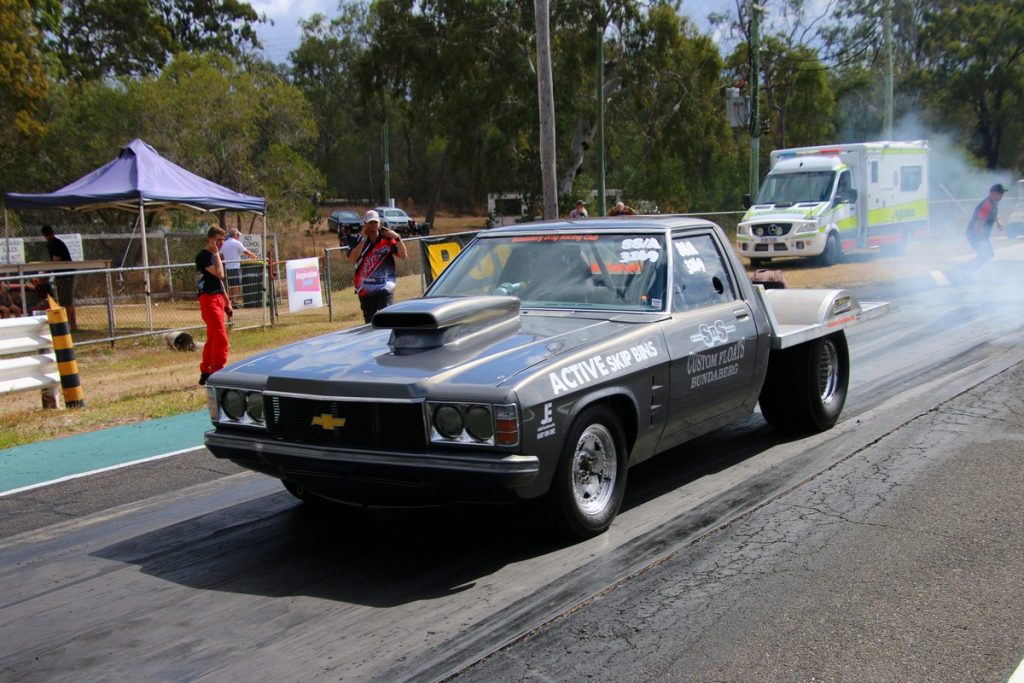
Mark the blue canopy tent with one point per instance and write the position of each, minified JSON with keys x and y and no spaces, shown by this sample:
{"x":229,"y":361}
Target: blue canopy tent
{"x":139,"y":179}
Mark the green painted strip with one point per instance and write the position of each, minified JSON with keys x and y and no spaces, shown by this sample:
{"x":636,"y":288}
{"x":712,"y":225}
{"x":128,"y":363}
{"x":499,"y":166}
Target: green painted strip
{"x":45,"y":461}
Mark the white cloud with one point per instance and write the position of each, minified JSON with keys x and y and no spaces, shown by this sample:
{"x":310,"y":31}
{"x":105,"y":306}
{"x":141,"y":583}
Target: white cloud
{"x":283,"y":37}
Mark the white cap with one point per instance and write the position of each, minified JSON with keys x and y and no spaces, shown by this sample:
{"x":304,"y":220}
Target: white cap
{"x":371,"y":215}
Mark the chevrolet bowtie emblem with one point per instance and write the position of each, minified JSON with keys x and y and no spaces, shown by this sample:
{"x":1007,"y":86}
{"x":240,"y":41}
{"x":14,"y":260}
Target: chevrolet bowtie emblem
{"x":328,"y":421}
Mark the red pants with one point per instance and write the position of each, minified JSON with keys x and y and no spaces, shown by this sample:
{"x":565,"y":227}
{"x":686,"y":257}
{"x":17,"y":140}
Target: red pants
{"x":215,"y":350}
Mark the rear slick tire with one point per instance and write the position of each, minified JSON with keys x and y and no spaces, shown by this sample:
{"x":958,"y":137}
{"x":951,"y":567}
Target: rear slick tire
{"x":806,"y":386}
{"x":590,"y":480}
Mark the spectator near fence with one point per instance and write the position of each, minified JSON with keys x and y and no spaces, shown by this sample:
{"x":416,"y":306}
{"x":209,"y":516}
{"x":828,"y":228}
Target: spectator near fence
{"x":374,"y":258}
{"x":42,"y":292}
{"x":214,"y":304}
{"x":8,"y":307}
{"x":65,"y":282}
{"x":232,"y":252}
{"x":620,"y":209}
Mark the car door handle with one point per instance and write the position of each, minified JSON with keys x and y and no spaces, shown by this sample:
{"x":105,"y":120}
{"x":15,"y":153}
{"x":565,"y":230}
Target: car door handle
{"x":741,"y":314}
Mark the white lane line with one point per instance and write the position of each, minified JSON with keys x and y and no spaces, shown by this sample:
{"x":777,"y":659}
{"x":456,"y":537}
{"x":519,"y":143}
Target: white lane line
{"x":1018,"y":675}
{"x":102,"y":469}
{"x":940,"y":278}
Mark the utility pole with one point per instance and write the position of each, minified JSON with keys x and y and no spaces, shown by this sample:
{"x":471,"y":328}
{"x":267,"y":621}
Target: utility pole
{"x":387,"y":164}
{"x":755,"y":110}
{"x":887,"y":34}
{"x":601,"y":206}
{"x":546,"y":104}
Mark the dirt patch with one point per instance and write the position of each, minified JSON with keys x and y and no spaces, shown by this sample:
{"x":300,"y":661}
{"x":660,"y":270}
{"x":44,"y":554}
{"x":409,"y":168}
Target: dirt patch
{"x":867,"y":267}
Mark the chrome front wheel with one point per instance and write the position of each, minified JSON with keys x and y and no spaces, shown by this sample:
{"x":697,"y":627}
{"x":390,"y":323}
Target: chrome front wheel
{"x":594,"y":469}
{"x":590,"y":479}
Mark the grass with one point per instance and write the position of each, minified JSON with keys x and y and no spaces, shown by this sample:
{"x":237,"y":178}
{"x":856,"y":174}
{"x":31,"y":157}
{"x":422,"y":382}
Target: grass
{"x":142,"y":379}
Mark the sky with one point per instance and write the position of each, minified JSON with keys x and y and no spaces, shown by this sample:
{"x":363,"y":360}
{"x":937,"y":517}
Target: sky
{"x":281,"y":38}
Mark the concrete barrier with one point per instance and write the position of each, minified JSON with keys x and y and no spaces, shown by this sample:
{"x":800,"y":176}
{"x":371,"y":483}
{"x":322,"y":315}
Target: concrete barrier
{"x":33,"y":364}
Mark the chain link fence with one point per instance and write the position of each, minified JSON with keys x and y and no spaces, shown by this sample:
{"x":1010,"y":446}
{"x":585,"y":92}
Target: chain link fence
{"x":110,"y":282}
{"x":110,"y":296}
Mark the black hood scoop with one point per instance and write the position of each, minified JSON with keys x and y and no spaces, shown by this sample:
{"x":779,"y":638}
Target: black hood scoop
{"x":420,"y":324}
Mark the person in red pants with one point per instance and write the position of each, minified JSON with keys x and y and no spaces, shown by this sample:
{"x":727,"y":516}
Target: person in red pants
{"x":213,"y":303}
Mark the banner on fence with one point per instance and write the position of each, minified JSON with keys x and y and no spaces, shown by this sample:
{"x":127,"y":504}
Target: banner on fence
{"x":438,"y":252}
{"x":12,"y":250}
{"x":303,"y":284}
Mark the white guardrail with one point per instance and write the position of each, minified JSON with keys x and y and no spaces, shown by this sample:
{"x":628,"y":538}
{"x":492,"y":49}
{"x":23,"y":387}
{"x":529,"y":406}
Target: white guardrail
{"x":20,"y":337}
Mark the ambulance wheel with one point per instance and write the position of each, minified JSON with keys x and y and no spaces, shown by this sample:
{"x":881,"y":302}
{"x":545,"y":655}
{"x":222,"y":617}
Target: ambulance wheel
{"x":590,"y":480}
{"x":833,"y":253}
{"x":806,"y":386}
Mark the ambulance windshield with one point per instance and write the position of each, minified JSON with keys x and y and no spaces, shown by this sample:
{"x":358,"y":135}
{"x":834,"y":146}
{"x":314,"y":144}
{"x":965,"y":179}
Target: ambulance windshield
{"x":784,"y":189}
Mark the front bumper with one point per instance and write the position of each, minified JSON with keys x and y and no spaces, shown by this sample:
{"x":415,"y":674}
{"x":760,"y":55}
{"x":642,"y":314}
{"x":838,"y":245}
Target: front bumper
{"x":806,"y":244}
{"x":380,"y":477}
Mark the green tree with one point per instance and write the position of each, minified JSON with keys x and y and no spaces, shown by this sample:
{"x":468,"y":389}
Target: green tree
{"x":323,"y":67}
{"x":854,"y":49}
{"x":24,"y":84}
{"x":246,"y":129}
{"x":797,"y":96}
{"x":450,"y":74}
{"x":669,"y":123}
{"x":972,"y":71}
{"x":138,"y":37}
{"x":98,"y":116}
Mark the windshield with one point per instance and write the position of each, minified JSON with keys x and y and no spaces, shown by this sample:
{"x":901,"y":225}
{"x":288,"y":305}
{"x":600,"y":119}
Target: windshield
{"x":608,"y":272}
{"x":794,"y":188}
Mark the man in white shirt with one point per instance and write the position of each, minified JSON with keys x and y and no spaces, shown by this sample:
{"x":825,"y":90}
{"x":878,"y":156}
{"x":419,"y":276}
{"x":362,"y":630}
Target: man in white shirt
{"x":580,"y":211}
{"x":232,"y":252}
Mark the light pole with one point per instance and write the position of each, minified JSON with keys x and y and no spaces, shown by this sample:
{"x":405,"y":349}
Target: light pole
{"x":887,"y":35}
{"x":601,"y":22}
{"x":755,"y":112}
{"x":546,"y":106}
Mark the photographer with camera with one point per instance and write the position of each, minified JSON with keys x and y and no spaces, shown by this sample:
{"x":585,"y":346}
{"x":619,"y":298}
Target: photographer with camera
{"x":374,"y":258}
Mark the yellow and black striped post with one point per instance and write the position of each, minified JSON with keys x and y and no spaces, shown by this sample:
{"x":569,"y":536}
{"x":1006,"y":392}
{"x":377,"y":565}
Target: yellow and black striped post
{"x":64,"y":349}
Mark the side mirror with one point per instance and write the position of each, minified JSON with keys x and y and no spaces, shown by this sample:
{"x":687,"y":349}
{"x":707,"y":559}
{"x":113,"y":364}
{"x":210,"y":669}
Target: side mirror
{"x":852,"y":195}
{"x":746,"y":201}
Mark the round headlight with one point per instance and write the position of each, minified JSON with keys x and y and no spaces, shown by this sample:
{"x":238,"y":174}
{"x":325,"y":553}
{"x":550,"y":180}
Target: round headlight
{"x":479,"y":423}
{"x":254,"y":405}
{"x":448,"y":422}
{"x":233,"y":404}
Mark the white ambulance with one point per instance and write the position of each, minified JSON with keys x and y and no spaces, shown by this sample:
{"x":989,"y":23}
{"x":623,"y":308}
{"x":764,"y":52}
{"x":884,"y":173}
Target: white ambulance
{"x":822,"y":201}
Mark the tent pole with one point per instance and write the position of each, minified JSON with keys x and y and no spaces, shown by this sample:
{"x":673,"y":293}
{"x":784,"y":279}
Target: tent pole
{"x":145,"y":266}
{"x":267,"y":282}
{"x":7,"y":238}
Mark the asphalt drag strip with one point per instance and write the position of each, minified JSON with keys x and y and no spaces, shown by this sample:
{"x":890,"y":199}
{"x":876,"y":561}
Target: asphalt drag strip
{"x":234,"y":579}
{"x":901,"y":562}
